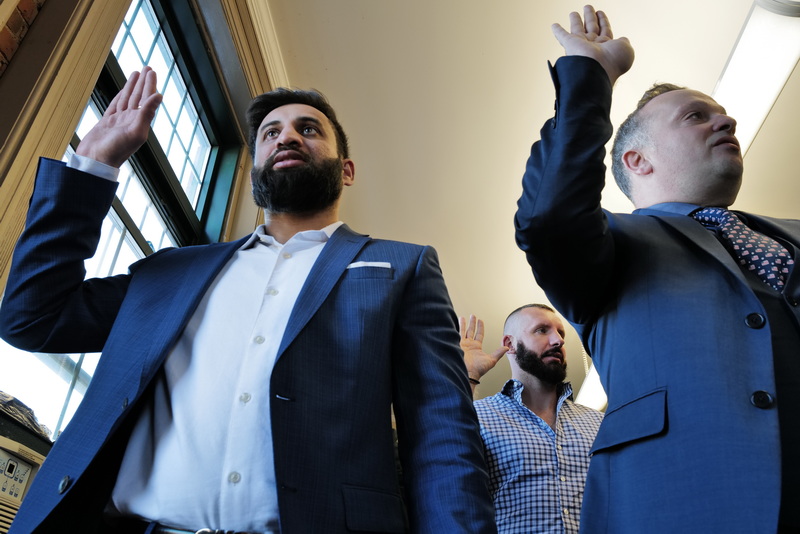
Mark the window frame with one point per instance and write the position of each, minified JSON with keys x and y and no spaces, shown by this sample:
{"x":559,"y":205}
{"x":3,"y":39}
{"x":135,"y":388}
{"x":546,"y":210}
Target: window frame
{"x":205,"y":224}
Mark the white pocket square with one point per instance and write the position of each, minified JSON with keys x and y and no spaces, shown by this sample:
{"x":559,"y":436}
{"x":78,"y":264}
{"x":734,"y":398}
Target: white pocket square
{"x":381,"y":264}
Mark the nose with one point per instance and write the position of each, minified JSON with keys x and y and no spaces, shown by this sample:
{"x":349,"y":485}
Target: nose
{"x":725,"y":123}
{"x":556,"y":340}
{"x":289,"y":137}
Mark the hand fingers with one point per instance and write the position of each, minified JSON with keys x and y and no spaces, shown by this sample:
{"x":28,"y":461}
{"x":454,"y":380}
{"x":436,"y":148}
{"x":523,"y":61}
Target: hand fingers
{"x":135,"y":98}
{"x":605,"y":25}
{"x":120,"y":101}
{"x":575,"y":23}
{"x":150,"y":105}
{"x":590,"y":20}
{"x":471,"y":327}
{"x":471,"y":330}
{"x":479,"y":331}
{"x":560,"y":33}
{"x":150,"y":88}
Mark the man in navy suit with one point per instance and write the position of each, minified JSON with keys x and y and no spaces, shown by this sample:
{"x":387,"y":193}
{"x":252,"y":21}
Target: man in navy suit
{"x":246,"y":386}
{"x":698,"y":354}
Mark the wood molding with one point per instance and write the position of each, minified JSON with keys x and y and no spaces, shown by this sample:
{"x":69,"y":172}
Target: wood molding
{"x":267,"y":38}
{"x":243,"y":34}
{"x":44,"y":91}
{"x":255,"y":40}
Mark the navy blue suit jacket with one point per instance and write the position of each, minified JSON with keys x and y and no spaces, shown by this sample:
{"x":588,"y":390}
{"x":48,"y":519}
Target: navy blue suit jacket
{"x":357,"y":342}
{"x":677,"y":334}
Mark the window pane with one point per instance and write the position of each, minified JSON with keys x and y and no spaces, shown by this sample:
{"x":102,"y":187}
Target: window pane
{"x":144,"y":43}
{"x":91,"y":116}
{"x":33,"y":383}
{"x":53,"y":385}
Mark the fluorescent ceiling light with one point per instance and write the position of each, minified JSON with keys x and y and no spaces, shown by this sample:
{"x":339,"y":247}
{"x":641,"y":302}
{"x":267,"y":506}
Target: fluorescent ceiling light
{"x":763,"y":58}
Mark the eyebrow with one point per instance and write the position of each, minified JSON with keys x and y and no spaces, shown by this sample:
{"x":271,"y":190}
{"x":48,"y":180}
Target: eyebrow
{"x":301,"y":119}
{"x":711,"y":105}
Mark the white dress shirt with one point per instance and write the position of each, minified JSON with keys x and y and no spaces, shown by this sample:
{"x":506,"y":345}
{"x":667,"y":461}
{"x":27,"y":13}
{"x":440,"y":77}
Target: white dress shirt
{"x":200,"y":455}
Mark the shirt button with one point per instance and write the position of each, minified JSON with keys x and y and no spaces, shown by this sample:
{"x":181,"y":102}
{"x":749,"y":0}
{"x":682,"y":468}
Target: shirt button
{"x":558,"y":447}
{"x":245,"y":397}
{"x":259,"y":339}
{"x":563,"y":479}
{"x":287,"y":255}
{"x":234,"y":477}
{"x":566,"y":512}
{"x":272,"y":291}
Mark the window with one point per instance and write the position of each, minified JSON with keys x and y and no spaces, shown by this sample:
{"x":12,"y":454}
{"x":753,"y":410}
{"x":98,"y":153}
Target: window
{"x":172,"y":192}
{"x":177,"y":125}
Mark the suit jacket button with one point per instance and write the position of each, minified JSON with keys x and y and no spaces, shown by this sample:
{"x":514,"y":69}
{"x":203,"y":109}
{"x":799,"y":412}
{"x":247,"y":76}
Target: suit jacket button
{"x":755,"y":320}
{"x":762,"y":399}
{"x":64,"y":484}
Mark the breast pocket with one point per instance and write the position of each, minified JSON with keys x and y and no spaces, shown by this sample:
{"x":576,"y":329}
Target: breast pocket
{"x":369,"y":272}
{"x":640,"y":418}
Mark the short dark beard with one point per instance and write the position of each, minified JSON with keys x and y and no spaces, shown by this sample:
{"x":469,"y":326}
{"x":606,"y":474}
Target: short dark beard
{"x":531,"y":363}
{"x":309,"y":188}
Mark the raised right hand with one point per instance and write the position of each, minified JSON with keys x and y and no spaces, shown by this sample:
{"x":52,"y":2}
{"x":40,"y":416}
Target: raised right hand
{"x":592,"y":37}
{"x":125,"y":125}
{"x":478,"y":362}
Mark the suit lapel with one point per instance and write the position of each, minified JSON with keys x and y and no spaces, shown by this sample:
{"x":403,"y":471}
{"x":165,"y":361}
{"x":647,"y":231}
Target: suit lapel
{"x":338,"y":253}
{"x":782,"y":228}
{"x":701,"y":237}
{"x":187,"y":277}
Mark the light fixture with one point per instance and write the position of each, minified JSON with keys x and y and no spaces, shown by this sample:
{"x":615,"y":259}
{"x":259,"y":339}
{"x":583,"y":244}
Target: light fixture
{"x":765,"y":54}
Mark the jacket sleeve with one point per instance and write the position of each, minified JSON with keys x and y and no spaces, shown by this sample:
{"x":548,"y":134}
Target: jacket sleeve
{"x":47,"y":306}
{"x":559,"y":222}
{"x":444,"y":473}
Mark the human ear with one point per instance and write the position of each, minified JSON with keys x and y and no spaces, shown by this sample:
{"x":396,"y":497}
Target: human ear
{"x":348,"y":172}
{"x":637,"y":163}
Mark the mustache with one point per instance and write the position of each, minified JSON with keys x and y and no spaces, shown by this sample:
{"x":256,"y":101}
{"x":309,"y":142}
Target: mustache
{"x":555,"y":353}
{"x":300,"y":155}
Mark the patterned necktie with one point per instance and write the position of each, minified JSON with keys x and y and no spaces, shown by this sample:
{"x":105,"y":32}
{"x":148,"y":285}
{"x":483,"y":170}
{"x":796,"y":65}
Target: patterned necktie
{"x":760,"y":254}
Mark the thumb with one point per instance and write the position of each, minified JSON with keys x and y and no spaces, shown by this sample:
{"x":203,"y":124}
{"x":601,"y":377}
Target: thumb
{"x":560,"y":33}
{"x":496,"y":355}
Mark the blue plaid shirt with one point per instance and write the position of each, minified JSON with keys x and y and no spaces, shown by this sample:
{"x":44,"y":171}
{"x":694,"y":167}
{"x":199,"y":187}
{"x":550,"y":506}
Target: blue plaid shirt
{"x":536,"y":473}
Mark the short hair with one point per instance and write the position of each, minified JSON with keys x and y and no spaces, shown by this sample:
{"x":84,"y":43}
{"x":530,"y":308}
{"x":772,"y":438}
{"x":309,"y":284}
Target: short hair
{"x":263,"y":104}
{"x":525,"y":307}
{"x":632,"y":133}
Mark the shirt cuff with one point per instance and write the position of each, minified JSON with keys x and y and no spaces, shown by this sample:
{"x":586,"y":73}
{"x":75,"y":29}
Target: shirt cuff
{"x":95,"y":168}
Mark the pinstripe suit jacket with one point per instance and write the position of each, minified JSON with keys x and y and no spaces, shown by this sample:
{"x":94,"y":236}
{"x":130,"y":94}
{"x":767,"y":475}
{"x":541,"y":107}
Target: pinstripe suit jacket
{"x":357,"y":341}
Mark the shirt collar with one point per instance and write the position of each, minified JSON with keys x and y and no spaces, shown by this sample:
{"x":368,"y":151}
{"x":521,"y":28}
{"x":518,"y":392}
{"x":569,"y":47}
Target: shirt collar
{"x":677,"y":208}
{"x":260,"y":235}
{"x":513,"y":389}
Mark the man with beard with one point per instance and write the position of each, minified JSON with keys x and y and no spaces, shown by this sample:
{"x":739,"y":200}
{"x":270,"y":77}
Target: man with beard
{"x":536,"y":439}
{"x":246,"y":386}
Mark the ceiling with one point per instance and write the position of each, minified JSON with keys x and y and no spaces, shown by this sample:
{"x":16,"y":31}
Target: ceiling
{"x":442,"y":99}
